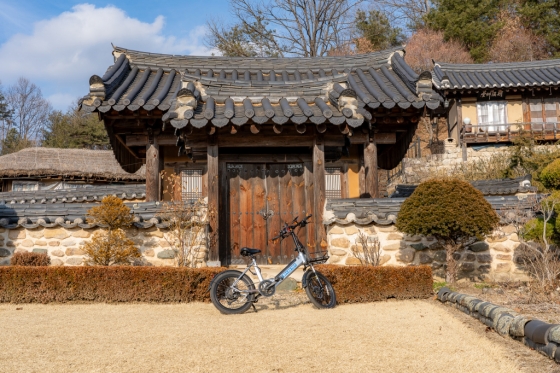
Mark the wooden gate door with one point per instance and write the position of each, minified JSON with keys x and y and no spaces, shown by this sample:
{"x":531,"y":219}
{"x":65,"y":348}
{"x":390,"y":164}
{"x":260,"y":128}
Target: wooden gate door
{"x":261,"y":197}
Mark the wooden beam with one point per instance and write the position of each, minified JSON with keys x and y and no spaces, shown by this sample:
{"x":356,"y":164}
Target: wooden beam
{"x":319,"y":191}
{"x":141,"y":140}
{"x":370,"y":170}
{"x":153,"y":165}
{"x":264,"y":141}
{"x":385,"y":138}
{"x":213,"y":198}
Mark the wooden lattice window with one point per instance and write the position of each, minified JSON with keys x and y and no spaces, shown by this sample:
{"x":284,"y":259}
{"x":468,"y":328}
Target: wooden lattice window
{"x":191,"y":184}
{"x":333,"y":188}
{"x":544,"y":110}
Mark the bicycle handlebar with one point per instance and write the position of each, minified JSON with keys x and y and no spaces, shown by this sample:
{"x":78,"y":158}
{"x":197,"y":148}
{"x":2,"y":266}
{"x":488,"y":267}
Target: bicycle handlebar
{"x":287,"y":228}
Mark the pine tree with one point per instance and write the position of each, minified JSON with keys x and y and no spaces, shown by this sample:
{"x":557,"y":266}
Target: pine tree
{"x":374,"y":27}
{"x":73,"y":130}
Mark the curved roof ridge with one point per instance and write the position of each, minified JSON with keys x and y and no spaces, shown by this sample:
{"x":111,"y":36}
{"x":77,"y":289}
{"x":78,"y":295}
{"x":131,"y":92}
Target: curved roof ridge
{"x":497,"y":66}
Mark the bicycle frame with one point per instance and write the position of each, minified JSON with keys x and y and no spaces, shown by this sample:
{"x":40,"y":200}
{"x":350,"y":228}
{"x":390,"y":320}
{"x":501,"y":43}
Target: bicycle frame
{"x":290,"y":268}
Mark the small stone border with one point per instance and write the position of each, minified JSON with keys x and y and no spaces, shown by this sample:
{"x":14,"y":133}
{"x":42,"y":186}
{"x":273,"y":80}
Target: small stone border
{"x":536,"y":334}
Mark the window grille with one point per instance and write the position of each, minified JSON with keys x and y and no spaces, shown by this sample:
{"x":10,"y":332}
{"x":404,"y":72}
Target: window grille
{"x":492,"y":115}
{"x":24,"y":186}
{"x":543,"y":111}
{"x":332,"y":183}
{"x":191,"y":184}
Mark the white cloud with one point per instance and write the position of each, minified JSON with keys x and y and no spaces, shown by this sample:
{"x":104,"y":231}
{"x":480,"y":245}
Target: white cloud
{"x":63,"y":52}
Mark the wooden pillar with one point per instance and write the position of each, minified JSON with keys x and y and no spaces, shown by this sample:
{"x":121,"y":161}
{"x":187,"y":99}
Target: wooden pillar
{"x":213,"y":198}
{"x":319,"y":191}
{"x":153,"y":169}
{"x":370,"y":170}
{"x":344,"y":187}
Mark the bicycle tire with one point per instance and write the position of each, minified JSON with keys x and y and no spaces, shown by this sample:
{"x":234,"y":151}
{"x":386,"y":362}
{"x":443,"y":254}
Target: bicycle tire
{"x":220,"y":291}
{"x":325,"y":298}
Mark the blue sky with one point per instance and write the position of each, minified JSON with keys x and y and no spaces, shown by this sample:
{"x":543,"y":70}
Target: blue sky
{"x":58,"y":45}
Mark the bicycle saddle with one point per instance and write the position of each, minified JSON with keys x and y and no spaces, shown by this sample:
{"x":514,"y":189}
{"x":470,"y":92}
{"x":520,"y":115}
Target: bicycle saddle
{"x":247,"y":251}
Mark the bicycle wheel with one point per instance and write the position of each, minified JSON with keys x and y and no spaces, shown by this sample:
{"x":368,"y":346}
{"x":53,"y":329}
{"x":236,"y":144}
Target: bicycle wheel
{"x":320,"y":291}
{"x":231,"y":299}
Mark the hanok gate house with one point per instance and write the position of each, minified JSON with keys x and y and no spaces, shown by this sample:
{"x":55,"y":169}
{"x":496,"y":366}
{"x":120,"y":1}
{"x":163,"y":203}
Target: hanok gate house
{"x":264,"y":139}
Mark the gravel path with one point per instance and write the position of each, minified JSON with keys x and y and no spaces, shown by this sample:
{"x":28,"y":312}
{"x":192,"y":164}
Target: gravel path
{"x":287,"y":335}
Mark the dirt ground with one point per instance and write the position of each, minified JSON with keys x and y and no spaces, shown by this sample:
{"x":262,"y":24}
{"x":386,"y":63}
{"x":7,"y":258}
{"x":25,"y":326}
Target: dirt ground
{"x":286,"y":335}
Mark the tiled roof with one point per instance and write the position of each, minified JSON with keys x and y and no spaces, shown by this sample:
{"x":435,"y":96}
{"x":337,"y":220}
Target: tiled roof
{"x":70,"y":215}
{"x":222,"y":90}
{"x":92,"y":193}
{"x":82,"y":163}
{"x":487,"y":187}
{"x":497,"y":75}
{"x":384,"y":211}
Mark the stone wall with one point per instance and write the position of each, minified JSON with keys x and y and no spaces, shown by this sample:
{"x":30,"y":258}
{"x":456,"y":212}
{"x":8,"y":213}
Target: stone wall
{"x":416,"y":170}
{"x":65,"y":246}
{"x":488,"y":260}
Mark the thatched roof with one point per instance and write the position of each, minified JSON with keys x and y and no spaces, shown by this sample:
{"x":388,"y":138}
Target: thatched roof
{"x":53,"y":162}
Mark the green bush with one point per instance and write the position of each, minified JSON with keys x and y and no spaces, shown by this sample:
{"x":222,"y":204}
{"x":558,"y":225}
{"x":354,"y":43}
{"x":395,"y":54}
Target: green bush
{"x":550,"y":175}
{"x":452,"y":211}
{"x":533,"y":230}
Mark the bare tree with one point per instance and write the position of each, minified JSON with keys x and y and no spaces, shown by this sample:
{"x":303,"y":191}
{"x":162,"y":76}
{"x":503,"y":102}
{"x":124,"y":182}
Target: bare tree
{"x":305,"y":28}
{"x":426,"y":45}
{"x":30,"y":109}
{"x":367,"y":250}
{"x":405,"y":13}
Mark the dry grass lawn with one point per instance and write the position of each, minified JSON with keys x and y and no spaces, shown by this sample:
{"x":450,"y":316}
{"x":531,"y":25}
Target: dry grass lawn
{"x":404,"y":336}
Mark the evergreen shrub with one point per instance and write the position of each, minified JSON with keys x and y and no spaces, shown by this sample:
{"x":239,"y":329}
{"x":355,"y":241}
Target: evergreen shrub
{"x":550,"y":175}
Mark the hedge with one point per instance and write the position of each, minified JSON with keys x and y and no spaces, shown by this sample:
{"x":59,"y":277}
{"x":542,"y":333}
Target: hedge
{"x":20,"y":284}
{"x":369,"y":284}
{"x":105,"y":284}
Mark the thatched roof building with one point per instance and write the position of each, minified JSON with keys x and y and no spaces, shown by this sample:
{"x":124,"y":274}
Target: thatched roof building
{"x":54,"y":162}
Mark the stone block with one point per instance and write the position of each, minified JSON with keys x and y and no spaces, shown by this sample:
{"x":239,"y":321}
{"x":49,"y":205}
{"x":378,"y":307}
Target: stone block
{"x":68,"y":242}
{"x":479,"y":246}
{"x":514,"y":237}
{"x":493,"y":239}
{"x":484,"y":258}
{"x":392,"y":247}
{"x":440,"y":256}
{"x":81,"y":234}
{"x":338,"y":252}
{"x":456,"y":256}
{"x":415,"y":238}
{"x":341,"y":242}
{"x":166,"y":254}
{"x":164,"y":243}
{"x":351,"y":230}
{"x":149,"y":252}
{"x":406,"y":255}
{"x":501,"y":247}
{"x":153,"y":233}
{"x":424,"y":258}
{"x":36,"y":233}
{"x":484,"y":268}
{"x":57,"y":262}
{"x":74,"y":261}
{"x":386,"y":228}
{"x":59,"y":233}
{"x":10,"y":244}
{"x":503,"y":267}
{"x":40,"y":243}
{"x":54,"y":243}
{"x":357,"y":247}
{"x":418,"y":246}
{"x":436,"y":246}
{"x":509,"y":229}
{"x":370,"y":229}
{"x":27,"y":243}
{"x":58,"y":253}
{"x":20,"y":250}
{"x":336,"y":230}
{"x":39,"y":251}
{"x":469,"y":257}
{"x":395,"y":236}
{"x":384,"y":259}
{"x":74,"y":251}
{"x":288,"y":284}
{"x":466,"y":267}
{"x":16,"y":234}
{"x":352,"y":261}
{"x":504,"y":257}
{"x":148,"y":243}
{"x":4,"y":253}
{"x":437,"y":265}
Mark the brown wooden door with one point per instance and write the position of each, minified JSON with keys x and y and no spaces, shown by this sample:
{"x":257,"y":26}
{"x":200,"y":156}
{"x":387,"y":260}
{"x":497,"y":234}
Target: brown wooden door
{"x":261,"y":197}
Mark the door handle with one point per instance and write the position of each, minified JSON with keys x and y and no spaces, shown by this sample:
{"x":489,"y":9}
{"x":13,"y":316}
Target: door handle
{"x":266,"y":213}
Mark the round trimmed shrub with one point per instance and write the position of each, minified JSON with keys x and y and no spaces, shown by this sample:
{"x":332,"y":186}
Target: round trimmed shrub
{"x":550,"y":175}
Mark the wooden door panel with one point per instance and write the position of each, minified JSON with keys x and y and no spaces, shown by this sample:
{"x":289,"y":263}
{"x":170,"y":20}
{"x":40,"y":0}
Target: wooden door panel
{"x":258,"y":188}
{"x":273,"y":199}
{"x":234,"y":223}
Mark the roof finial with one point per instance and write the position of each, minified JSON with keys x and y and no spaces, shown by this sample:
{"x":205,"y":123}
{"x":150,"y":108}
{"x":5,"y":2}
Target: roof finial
{"x":112,"y":45}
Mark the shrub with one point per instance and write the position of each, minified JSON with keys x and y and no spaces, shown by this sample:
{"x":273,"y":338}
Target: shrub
{"x":30,"y":259}
{"x":368,"y":250}
{"x":452,"y":211}
{"x":368,"y":284}
{"x":105,"y":284}
{"x":550,"y":175}
{"x":111,"y":247}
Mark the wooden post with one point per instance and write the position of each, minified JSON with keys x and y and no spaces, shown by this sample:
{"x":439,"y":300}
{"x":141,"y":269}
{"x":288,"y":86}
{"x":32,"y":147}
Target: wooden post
{"x":344,"y":188}
{"x":319,"y":191}
{"x":213,"y":198}
{"x":153,"y":169}
{"x":370,"y":170}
